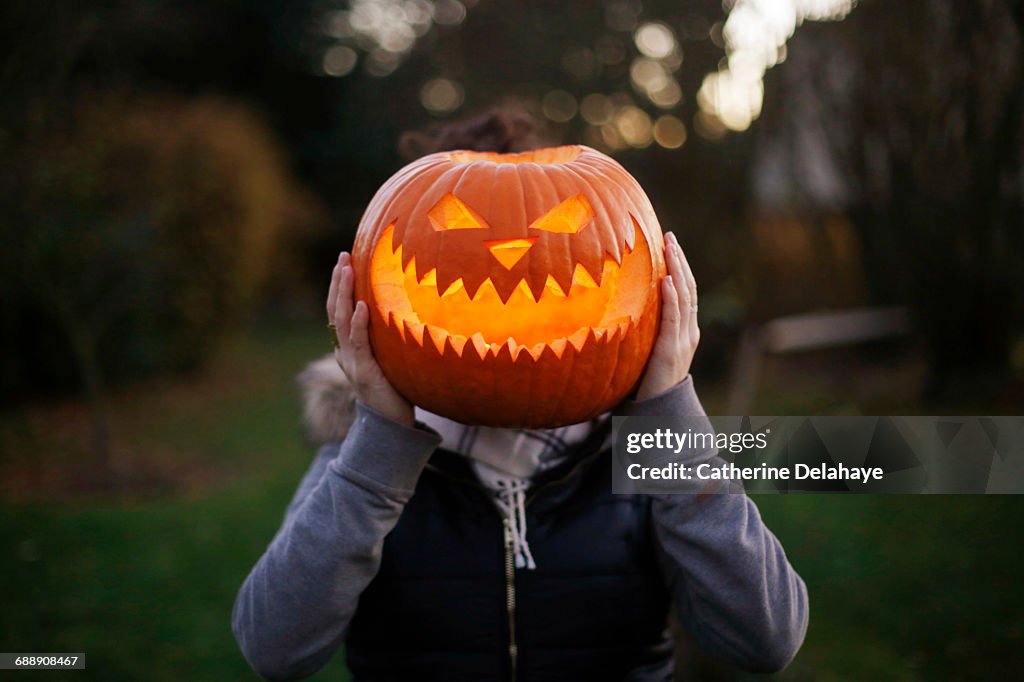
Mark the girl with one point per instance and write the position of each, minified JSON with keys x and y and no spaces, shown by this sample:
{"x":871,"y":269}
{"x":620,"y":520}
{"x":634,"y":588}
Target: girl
{"x":441,"y":551}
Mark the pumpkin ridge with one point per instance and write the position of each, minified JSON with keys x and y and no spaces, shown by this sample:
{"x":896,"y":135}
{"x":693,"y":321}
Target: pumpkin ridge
{"x":599,"y":208}
{"x":619,"y":178}
{"x":537,"y":196}
{"x":427,"y":173}
{"x":613,"y":344}
{"x":560,"y":263}
{"x":480,"y":184}
{"x":451,"y":176}
{"x":608,"y":173}
{"x":419,"y":186}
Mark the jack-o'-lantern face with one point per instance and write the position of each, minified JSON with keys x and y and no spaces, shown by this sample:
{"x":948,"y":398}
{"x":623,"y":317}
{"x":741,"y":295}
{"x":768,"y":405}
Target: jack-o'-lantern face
{"x":515,"y":289}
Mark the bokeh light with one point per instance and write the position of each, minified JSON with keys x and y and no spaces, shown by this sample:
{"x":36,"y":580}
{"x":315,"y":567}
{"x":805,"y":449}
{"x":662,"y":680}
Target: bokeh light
{"x":449,"y":12}
{"x":634,"y":126}
{"x":339,"y":60}
{"x":734,"y":98}
{"x":669,"y":132}
{"x":559,"y":106}
{"x":647,"y":74}
{"x":654,"y":80}
{"x":419,"y":14}
{"x":386,"y":30}
{"x":381,"y":62}
{"x":668,"y":96}
{"x":655,"y":40}
{"x":441,"y":96}
{"x":754,"y":37}
{"x":611,"y":138}
{"x":709,"y":126}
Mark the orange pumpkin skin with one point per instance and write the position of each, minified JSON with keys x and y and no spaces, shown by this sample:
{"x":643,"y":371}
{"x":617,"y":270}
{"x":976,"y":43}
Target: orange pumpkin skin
{"x":514,"y":290}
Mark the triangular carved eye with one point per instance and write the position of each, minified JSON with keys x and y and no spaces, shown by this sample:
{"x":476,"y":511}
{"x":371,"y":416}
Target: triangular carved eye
{"x":451,"y":214}
{"x":570,"y":216}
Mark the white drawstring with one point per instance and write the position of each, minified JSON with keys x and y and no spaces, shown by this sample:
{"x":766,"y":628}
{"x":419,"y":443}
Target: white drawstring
{"x":506,"y":460}
{"x":511,"y":500}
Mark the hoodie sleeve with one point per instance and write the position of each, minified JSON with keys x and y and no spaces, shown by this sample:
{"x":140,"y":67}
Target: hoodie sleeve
{"x":293,"y":610}
{"x":733,"y":587}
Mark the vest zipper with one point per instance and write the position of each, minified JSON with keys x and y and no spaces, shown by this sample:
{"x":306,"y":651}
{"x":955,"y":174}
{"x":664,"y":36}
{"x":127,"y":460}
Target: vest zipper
{"x":510,"y":596}
{"x":510,"y":558}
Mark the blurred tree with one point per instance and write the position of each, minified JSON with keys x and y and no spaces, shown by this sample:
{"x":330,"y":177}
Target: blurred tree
{"x":942,"y":145}
{"x":136,"y":228}
{"x":911,"y":117}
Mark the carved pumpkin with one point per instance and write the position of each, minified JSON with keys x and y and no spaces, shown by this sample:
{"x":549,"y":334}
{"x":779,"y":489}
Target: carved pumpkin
{"x":511,"y":289}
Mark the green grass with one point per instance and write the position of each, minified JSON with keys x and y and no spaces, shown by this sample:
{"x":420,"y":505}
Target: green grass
{"x":902,"y":588}
{"x":906,"y":587}
{"x":144,"y":587}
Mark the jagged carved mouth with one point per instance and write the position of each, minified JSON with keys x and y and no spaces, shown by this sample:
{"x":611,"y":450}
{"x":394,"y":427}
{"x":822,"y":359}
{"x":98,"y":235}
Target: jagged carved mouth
{"x":596,"y":306}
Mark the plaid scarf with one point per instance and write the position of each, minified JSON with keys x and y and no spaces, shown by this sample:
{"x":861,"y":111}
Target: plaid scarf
{"x":506,"y":460}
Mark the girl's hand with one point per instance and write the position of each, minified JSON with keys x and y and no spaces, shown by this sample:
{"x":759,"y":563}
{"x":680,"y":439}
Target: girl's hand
{"x":352,"y":350}
{"x":678,"y":337}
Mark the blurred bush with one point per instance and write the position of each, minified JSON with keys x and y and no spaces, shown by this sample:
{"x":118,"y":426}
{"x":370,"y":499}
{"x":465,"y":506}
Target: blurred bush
{"x":137,"y":231}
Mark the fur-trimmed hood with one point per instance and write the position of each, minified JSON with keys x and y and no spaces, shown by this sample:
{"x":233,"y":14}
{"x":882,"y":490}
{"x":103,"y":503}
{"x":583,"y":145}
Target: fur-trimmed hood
{"x":328,"y":401}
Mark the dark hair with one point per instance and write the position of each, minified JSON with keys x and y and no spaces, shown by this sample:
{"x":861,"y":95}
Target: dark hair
{"x":499,"y":130}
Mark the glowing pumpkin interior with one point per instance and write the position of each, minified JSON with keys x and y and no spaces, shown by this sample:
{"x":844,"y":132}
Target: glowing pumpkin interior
{"x":523,"y":319}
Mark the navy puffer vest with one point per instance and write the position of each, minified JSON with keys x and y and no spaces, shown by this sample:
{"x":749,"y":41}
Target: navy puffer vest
{"x":448,"y":605}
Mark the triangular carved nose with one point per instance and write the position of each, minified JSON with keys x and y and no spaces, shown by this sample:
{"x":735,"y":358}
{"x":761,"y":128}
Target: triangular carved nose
{"x":509,"y":251}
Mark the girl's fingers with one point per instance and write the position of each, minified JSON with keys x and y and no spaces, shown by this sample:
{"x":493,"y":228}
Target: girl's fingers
{"x":360,"y":322}
{"x":688,"y":293}
{"x":691,"y":281}
{"x":679,"y":279}
{"x":332,"y":293}
{"x":359,"y":336}
{"x":670,"y":262}
{"x":691,"y":288}
{"x":670,"y":313}
{"x":343,"y":305}
{"x":343,"y":259}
